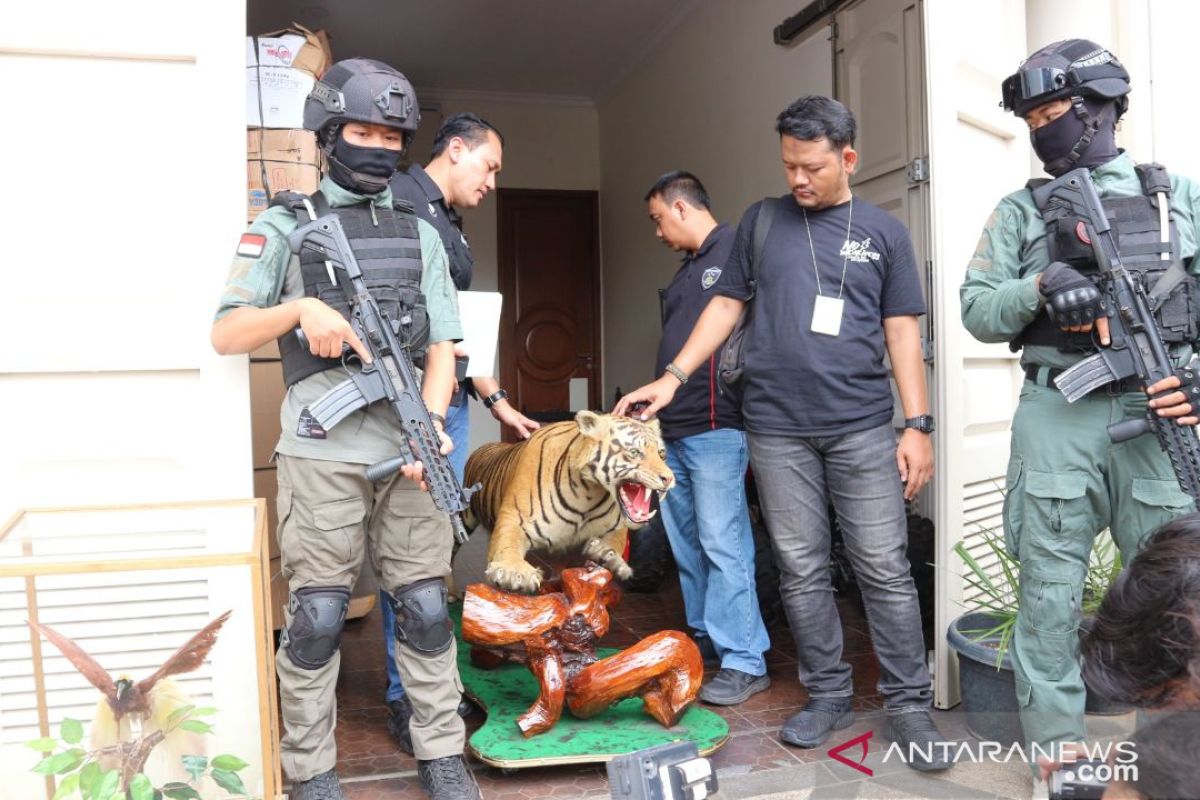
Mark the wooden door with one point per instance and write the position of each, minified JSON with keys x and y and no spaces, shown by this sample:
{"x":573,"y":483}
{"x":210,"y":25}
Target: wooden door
{"x":549,"y":269}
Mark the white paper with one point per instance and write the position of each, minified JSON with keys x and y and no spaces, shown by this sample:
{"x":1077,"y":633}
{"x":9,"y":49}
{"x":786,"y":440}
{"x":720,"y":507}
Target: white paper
{"x":827,"y":315}
{"x":479,"y":313}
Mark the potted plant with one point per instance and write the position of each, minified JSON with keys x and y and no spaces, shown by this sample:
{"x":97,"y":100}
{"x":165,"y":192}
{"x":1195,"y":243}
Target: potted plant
{"x":982,"y":636}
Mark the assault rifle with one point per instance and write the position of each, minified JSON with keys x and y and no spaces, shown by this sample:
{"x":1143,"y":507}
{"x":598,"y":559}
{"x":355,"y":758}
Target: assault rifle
{"x":389,"y":377}
{"x":1137,"y":348}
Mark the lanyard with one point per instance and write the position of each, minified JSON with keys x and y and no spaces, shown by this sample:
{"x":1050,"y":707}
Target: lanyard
{"x":817,"y":272}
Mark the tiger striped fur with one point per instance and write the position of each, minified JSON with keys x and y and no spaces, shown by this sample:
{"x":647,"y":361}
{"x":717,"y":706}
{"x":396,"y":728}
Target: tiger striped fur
{"x":580,"y":484}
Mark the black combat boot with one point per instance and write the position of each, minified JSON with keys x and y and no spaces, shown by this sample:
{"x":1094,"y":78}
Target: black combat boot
{"x":319,"y":787}
{"x":448,"y":778}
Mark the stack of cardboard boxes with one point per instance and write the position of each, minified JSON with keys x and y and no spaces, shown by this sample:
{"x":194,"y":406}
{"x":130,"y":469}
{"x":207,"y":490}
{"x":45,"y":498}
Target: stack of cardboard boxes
{"x":280,"y":156}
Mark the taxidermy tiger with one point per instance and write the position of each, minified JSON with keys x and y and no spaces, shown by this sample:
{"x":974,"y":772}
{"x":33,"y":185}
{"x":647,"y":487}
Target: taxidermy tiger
{"x":580,"y":484}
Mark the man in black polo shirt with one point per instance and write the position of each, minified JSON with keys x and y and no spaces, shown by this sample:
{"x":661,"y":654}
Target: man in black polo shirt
{"x":467,"y":155}
{"x":837,"y":288}
{"x":705,"y":513}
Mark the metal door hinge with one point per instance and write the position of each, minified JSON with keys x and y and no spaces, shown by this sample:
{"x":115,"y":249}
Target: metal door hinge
{"x":918,"y":170}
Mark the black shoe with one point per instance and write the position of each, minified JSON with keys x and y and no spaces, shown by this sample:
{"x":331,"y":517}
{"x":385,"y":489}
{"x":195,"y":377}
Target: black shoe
{"x":920,"y":740}
{"x":466,"y":707}
{"x":397,"y":724}
{"x":708,"y":653}
{"x":732,"y":686}
{"x":319,"y":787}
{"x":820,"y":717}
{"x":448,"y":778}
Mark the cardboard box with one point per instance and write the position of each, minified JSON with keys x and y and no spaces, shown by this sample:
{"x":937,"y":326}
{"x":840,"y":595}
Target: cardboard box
{"x":280,"y":69}
{"x":266,"y":487}
{"x":266,"y":396}
{"x":279,"y":161}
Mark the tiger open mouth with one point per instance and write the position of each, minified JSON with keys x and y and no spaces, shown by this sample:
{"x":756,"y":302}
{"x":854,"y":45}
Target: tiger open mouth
{"x":635,"y":501}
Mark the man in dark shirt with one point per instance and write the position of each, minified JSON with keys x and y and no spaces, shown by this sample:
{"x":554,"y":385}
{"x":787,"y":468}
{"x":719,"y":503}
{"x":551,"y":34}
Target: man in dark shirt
{"x":467,"y":155}
{"x":837,"y":287}
{"x":706,"y":517}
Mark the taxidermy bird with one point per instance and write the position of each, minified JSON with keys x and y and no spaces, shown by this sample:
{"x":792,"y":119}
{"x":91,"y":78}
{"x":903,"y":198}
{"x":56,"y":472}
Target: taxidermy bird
{"x":129,"y":709}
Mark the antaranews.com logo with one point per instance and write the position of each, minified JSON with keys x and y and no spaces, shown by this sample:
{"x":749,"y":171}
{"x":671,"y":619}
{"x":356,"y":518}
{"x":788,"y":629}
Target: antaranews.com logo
{"x":1113,"y":761}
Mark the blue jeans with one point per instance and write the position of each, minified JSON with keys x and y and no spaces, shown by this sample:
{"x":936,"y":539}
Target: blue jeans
{"x":797,"y":478}
{"x":458,"y":420}
{"x":708,"y":526}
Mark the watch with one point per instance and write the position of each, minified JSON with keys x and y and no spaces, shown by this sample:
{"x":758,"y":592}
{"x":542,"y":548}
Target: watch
{"x":492,"y":399}
{"x":923,"y":423}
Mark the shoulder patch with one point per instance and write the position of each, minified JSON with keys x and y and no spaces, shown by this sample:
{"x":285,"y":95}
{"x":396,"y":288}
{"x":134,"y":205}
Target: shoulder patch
{"x":251,"y":245}
{"x":709,"y":277}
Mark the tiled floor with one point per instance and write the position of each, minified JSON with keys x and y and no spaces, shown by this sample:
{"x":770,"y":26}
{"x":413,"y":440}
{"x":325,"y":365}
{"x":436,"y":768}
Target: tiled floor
{"x":371,"y":767}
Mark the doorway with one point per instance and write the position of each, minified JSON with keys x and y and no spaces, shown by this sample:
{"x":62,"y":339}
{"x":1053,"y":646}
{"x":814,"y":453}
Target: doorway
{"x":549,"y":274}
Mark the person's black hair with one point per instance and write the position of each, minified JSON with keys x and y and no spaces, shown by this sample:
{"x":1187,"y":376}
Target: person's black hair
{"x":680,"y":184}
{"x":1145,"y":639}
{"x":815,"y":117}
{"x":471,"y":128}
{"x":1167,"y":767}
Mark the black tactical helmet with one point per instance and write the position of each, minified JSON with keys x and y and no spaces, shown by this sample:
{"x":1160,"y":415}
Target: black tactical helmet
{"x":361,"y":90}
{"x":1072,"y":67}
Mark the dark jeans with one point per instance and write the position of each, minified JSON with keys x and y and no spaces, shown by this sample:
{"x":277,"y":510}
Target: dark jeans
{"x":797,"y":479}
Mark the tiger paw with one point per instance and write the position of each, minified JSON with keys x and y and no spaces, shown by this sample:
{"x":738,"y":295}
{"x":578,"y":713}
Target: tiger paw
{"x":520,"y":576}
{"x":622,"y":570}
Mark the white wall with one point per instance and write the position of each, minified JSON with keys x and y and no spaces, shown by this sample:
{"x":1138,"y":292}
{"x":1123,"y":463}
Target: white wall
{"x":125,"y":196}
{"x":549,"y":144}
{"x":705,"y":101}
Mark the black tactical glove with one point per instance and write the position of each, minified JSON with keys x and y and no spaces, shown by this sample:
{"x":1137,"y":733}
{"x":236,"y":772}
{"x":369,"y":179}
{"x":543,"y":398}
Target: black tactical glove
{"x":1073,"y":300}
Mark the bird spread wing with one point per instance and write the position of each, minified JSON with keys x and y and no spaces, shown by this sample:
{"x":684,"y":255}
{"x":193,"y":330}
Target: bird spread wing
{"x":188,"y":657}
{"x":88,"y":667}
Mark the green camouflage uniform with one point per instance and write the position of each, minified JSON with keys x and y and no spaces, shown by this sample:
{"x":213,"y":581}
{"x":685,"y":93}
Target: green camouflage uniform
{"x":1066,"y":480}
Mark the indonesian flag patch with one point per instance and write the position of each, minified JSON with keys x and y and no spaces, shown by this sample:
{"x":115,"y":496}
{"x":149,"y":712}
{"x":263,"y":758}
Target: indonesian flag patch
{"x":251,"y":245}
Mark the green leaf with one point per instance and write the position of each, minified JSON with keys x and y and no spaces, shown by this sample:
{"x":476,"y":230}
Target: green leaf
{"x":228,"y":762}
{"x":206,"y":711}
{"x":140,"y":788}
{"x":180,"y":791}
{"x":195,"y":726}
{"x":195,"y":766}
{"x":59,"y":763}
{"x":43,"y":745}
{"x":179,"y":714}
{"x":71,"y":731}
{"x":107,"y":786}
{"x":88,"y":777}
{"x":229,"y":781}
{"x":66,"y":786}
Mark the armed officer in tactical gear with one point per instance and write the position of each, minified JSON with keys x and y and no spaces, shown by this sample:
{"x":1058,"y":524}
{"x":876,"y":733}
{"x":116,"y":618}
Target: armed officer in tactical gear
{"x":364,"y":113}
{"x":1033,"y":283}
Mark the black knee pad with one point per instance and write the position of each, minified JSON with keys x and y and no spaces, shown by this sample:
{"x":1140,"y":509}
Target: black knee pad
{"x":318,"y":613}
{"x":422,"y":620}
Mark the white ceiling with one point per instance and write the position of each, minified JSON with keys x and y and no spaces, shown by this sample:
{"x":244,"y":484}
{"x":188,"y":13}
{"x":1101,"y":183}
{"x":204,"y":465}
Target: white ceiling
{"x":569,"y":49}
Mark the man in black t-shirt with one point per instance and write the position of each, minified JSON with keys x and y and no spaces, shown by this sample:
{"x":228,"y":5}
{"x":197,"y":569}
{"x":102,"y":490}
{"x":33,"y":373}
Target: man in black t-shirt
{"x":837,"y":288}
{"x":705,"y":514}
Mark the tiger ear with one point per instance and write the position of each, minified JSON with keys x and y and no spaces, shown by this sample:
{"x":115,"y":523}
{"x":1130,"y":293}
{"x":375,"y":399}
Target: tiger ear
{"x":591,"y":424}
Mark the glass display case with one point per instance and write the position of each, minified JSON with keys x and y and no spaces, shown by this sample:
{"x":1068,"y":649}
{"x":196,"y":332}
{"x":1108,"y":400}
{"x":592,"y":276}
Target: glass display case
{"x":130,"y":585}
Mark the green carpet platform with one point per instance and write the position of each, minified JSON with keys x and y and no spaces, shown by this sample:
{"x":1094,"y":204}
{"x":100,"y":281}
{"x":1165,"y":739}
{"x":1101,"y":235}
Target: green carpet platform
{"x":507,"y":691}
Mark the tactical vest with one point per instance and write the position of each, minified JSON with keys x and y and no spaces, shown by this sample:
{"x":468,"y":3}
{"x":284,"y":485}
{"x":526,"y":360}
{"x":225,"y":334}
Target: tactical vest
{"x":1137,"y":233}
{"x":387,"y":246}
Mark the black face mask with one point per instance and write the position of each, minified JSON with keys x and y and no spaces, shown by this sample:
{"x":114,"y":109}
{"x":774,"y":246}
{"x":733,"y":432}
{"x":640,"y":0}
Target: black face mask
{"x":365,"y":170}
{"x":1064,"y":144}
